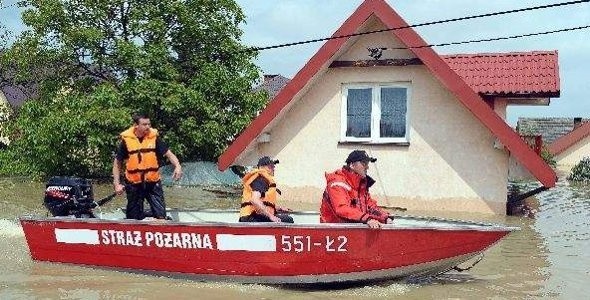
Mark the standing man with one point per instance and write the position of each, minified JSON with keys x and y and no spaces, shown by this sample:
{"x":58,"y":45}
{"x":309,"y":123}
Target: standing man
{"x":143,"y":150}
{"x":259,"y":196}
{"x":347,"y":199}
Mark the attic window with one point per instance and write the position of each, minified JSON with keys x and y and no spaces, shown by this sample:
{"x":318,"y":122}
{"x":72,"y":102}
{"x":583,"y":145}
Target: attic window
{"x":375,"y":113}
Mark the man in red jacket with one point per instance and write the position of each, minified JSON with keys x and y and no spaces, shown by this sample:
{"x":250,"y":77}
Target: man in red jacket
{"x":347,"y":199}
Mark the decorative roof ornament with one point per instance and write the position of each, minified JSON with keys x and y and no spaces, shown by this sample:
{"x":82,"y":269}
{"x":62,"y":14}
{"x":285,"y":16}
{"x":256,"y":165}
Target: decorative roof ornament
{"x":376,"y":53}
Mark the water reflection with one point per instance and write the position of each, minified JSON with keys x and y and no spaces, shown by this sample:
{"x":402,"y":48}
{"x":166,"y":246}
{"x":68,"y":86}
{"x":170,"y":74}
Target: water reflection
{"x":564,"y":221}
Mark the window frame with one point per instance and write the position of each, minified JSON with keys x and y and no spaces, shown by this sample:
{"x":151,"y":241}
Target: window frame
{"x":375,"y":137}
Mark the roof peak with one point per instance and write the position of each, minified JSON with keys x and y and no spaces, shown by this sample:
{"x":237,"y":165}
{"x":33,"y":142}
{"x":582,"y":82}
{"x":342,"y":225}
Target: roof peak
{"x":432,"y":61}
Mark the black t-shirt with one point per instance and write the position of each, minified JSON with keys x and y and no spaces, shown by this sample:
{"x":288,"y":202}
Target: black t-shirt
{"x":161,"y":149}
{"x":260,"y":185}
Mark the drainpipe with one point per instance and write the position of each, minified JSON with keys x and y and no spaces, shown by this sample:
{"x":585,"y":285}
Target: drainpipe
{"x":518,"y":206}
{"x":519,"y":197}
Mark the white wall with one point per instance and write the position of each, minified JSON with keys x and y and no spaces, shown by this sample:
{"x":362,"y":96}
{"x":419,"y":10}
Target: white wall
{"x":450,"y":164}
{"x":573,"y":155}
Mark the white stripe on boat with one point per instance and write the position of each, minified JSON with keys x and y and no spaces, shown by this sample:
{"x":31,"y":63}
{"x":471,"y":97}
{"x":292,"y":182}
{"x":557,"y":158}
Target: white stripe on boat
{"x":256,"y":243}
{"x":77,"y":236}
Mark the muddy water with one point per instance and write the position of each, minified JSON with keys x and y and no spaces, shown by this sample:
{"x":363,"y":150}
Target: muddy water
{"x":547,"y":259}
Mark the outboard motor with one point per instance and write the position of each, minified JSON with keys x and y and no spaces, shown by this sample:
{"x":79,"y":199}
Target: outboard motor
{"x":69,"y":196}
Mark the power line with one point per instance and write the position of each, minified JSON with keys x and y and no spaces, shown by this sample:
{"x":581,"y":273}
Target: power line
{"x":492,"y":39}
{"x":421,"y":25}
{"x":9,"y":5}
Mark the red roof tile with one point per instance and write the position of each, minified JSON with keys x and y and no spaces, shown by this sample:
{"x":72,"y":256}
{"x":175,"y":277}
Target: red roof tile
{"x":514,"y":73}
{"x":568,"y":140}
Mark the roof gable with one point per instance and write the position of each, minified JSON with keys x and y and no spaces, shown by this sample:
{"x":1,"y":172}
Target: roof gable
{"x":14,"y":95}
{"x":435,"y":64}
{"x":568,"y":140}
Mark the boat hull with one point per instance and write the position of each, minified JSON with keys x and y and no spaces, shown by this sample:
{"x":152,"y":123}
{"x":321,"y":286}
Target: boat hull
{"x":259,"y":252}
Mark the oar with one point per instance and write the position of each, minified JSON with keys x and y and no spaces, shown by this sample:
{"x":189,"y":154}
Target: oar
{"x":394,"y":208}
{"x":105,"y":200}
{"x":238,"y":170}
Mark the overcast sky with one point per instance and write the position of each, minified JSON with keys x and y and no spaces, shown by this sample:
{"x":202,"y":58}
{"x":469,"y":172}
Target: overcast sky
{"x":272,"y":22}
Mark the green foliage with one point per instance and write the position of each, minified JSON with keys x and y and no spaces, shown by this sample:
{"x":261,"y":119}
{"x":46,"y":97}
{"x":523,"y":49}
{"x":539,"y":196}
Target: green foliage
{"x":5,"y":115}
{"x":548,"y":157}
{"x":581,"y":172}
{"x":95,"y":62}
{"x":68,"y":134}
{"x":4,"y":35}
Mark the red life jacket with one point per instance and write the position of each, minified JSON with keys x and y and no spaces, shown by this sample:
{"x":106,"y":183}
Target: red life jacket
{"x":347,"y":199}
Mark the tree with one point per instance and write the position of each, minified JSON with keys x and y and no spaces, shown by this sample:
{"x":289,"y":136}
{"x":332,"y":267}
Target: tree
{"x":97,"y":61}
{"x":580,"y":173}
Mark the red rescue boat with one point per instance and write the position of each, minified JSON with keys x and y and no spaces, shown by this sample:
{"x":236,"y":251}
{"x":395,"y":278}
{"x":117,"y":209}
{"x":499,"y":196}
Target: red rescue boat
{"x":212,"y":245}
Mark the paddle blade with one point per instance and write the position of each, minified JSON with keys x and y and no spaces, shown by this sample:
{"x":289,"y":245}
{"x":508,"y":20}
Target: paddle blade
{"x":238,"y":170}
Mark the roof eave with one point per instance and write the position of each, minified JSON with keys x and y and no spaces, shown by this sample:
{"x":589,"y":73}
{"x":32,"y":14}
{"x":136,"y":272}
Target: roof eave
{"x":565,"y":142}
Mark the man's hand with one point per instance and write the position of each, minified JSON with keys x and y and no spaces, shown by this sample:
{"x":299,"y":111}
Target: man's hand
{"x":283,"y":209}
{"x":177,"y":174}
{"x":275,"y":219}
{"x":119,"y":188}
{"x":374,"y":224}
{"x":177,"y":168}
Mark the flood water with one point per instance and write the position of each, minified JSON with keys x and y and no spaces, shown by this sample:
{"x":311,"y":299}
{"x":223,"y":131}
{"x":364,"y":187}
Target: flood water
{"x":548,"y":259}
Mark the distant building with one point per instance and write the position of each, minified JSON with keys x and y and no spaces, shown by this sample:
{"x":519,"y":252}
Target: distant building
{"x":564,"y":138}
{"x":272,"y":84}
{"x":569,"y":149}
{"x":550,"y":129}
{"x":13,"y":95}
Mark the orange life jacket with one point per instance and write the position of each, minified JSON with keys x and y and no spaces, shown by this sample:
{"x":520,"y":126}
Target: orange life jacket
{"x":270,"y":196}
{"x":142,"y":164}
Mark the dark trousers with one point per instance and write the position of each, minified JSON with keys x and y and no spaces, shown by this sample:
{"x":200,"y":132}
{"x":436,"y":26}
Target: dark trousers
{"x":150,"y":191}
{"x":285,"y":218}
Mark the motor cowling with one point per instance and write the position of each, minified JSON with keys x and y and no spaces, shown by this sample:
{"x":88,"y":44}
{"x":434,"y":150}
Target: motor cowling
{"x":69,"y":196}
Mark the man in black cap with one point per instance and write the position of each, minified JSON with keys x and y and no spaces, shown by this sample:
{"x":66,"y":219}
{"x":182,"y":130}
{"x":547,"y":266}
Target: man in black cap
{"x":347,"y":199}
{"x":260,"y":195}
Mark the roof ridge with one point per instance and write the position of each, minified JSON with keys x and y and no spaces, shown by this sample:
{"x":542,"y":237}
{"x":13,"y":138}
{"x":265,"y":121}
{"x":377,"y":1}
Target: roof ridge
{"x":569,"y":139}
{"x":501,"y":54}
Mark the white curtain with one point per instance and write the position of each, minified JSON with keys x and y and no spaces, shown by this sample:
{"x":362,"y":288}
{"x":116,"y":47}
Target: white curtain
{"x":393,"y":112}
{"x":358,"y":113}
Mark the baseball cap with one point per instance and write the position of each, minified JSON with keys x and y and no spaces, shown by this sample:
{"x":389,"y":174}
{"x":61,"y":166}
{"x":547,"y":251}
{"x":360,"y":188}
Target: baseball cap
{"x":359,"y":155}
{"x":265,"y":161}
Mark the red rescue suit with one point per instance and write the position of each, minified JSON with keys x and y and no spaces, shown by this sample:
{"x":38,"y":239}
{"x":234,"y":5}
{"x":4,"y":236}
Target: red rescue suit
{"x":347,"y":199}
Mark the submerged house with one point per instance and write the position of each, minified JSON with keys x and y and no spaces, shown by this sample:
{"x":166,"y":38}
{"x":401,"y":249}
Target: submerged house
{"x":435,"y":123}
{"x":567,"y":139}
{"x":571,"y":148}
